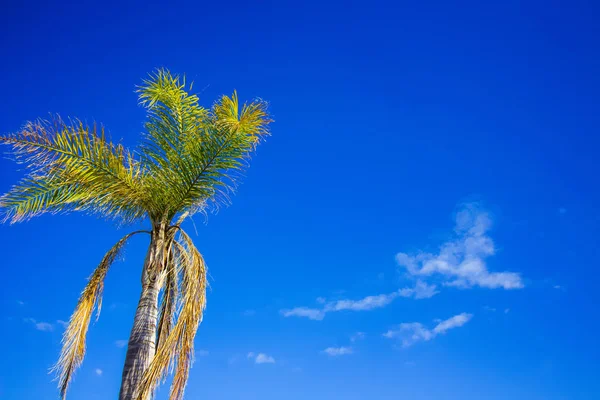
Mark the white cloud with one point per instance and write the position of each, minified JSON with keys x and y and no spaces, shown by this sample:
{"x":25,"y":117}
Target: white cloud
{"x":357,"y":336}
{"x":321,"y":300}
{"x":461,"y":261}
{"x":451,"y":323}
{"x":421,"y":290}
{"x":44,"y":326}
{"x":40,"y":326}
{"x":98,"y":371}
{"x":261,"y":358}
{"x":338,"y":351}
{"x":202,"y":353}
{"x":365,"y":304}
{"x":62,"y":323}
{"x":121,"y":343}
{"x":413,"y":332}
{"x":310,"y":313}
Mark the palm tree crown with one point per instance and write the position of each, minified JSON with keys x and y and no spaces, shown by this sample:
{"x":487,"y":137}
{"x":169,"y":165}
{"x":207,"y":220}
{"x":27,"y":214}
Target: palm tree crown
{"x":190,"y":158}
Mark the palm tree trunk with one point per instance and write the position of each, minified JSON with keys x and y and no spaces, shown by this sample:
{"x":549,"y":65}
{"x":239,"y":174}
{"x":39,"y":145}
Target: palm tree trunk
{"x":142,"y":340}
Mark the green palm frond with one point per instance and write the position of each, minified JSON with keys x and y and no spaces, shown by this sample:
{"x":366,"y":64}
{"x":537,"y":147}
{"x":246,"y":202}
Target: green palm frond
{"x":34,"y":196}
{"x":196,"y":152}
{"x":252,"y":121}
{"x":72,"y":167}
{"x":73,"y":343}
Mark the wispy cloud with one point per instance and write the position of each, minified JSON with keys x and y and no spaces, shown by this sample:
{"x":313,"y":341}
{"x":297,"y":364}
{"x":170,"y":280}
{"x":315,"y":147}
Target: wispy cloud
{"x":202,"y":353}
{"x":44,"y":326}
{"x":365,"y":304}
{"x":338,"y":351}
{"x":62,"y":323}
{"x":310,"y":313}
{"x":98,"y":371}
{"x":461,"y":261}
{"x":121,"y":343}
{"x":421,"y":290}
{"x":451,"y":323}
{"x":233,"y":359}
{"x":261,"y":358}
{"x":357,"y":336}
{"x":40,"y":325}
{"x":413,"y":332}
{"x":20,"y":302}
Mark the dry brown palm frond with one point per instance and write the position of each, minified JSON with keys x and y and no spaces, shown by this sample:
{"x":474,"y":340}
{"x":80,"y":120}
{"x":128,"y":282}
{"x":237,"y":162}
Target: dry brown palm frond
{"x":73,"y":348}
{"x":177,"y":350}
{"x":169,"y":301}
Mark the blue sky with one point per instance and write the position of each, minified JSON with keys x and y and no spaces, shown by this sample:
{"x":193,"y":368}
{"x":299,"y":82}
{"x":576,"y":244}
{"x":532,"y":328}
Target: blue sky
{"x":422,"y":224}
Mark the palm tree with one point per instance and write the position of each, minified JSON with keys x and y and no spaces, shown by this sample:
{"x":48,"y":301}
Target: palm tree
{"x":188,"y":161}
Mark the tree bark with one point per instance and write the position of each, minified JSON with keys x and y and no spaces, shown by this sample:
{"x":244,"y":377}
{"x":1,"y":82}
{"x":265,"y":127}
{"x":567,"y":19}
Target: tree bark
{"x":142,"y":340}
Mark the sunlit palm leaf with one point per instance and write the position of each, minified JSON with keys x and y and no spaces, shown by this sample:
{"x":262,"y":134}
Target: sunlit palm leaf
{"x":73,"y":167}
{"x":196,"y":152}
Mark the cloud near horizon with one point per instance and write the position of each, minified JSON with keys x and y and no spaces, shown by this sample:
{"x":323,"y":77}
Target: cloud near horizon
{"x":461,"y":261}
{"x":414,"y":332}
{"x":421,"y":290}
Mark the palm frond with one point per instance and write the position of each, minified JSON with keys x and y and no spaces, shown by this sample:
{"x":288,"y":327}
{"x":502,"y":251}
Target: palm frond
{"x":197,"y":153}
{"x":169,"y":300}
{"x":176,"y":351}
{"x":253,"y":120}
{"x":217,"y":158}
{"x":73,"y":343}
{"x":72,"y":167}
{"x":34,"y":196}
